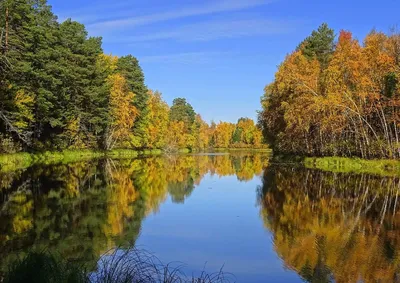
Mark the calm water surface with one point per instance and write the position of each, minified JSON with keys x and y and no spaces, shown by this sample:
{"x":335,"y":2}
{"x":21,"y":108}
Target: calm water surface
{"x":262,"y":222}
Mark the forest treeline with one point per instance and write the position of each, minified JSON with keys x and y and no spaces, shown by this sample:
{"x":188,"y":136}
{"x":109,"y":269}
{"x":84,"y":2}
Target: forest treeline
{"x":58,"y":90}
{"x":336,"y":97}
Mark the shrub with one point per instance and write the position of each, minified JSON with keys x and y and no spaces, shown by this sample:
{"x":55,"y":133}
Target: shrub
{"x":8,"y":145}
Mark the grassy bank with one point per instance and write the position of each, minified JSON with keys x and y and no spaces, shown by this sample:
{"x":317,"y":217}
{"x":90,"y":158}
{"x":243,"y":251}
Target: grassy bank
{"x":382,"y":167}
{"x":12,"y":162}
{"x":219,"y":149}
{"x":16,"y":161}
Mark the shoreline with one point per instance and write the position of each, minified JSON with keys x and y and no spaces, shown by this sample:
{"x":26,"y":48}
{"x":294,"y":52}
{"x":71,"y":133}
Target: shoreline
{"x":22,"y":160}
{"x":380,"y":167}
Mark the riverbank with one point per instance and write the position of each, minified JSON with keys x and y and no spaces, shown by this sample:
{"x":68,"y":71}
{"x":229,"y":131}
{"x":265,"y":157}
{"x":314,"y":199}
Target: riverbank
{"x":241,"y":149}
{"x":22,"y":160}
{"x":381,"y":167}
{"x":12,"y":162}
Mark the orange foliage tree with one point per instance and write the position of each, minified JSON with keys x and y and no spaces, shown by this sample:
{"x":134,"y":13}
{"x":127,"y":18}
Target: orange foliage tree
{"x":346,"y":104}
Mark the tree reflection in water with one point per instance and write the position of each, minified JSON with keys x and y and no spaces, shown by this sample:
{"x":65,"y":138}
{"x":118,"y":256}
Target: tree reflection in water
{"x":333,"y":226}
{"x":82,"y":210}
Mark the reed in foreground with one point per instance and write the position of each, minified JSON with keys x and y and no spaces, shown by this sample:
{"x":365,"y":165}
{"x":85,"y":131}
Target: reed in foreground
{"x":117,"y":266}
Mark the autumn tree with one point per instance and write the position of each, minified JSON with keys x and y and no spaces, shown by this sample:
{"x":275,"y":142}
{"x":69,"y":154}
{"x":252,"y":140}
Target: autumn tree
{"x":344,"y":103}
{"x":247,"y":129}
{"x":182,"y":111}
{"x":128,"y":66}
{"x":201,"y":133}
{"x":176,"y":136}
{"x":223,"y":134}
{"x":158,"y":117}
{"x":122,"y":112}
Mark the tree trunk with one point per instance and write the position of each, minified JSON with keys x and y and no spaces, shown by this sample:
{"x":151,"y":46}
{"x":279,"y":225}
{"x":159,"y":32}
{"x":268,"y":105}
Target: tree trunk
{"x":7,"y":23}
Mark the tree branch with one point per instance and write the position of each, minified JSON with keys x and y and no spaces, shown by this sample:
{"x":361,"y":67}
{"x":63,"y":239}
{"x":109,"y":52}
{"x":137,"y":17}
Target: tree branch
{"x":25,"y":137}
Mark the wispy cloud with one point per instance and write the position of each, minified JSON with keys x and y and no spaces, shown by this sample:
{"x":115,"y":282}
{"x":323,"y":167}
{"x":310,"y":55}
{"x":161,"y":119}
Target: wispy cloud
{"x":91,"y":12}
{"x":206,"y":31}
{"x":184,"y":12}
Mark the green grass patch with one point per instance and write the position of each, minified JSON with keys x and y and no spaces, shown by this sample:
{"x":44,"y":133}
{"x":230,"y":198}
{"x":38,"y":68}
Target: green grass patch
{"x":18,"y":161}
{"x":382,"y":167}
{"x":152,"y":152}
{"x":12,"y":162}
{"x":121,"y":153}
{"x":218,"y":149}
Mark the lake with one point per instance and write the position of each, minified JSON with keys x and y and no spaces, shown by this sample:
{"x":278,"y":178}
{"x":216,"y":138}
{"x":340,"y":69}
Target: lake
{"x":259,"y":221}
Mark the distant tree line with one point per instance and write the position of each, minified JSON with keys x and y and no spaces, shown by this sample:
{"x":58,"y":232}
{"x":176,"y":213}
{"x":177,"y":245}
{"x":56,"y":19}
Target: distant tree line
{"x":58,"y":90}
{"x":336,"y":97}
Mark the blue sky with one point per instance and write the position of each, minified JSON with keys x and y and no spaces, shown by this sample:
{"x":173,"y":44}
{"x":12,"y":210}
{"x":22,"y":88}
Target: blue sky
{"x":219,"y":54}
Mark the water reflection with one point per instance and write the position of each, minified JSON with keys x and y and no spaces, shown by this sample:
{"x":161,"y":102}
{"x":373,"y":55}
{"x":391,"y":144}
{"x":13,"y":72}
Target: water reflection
{"x":325,"y":226}
{"x":332,"y":226}
{"x":82,"y":210}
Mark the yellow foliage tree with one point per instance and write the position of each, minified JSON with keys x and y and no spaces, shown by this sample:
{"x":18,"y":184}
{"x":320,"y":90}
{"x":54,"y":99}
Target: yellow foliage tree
{"x":257,"y":138}
{"x":176,"y":137}
{"x":122,"y":112}
{"x":223,"y":134}
{"x":158,"y":117}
